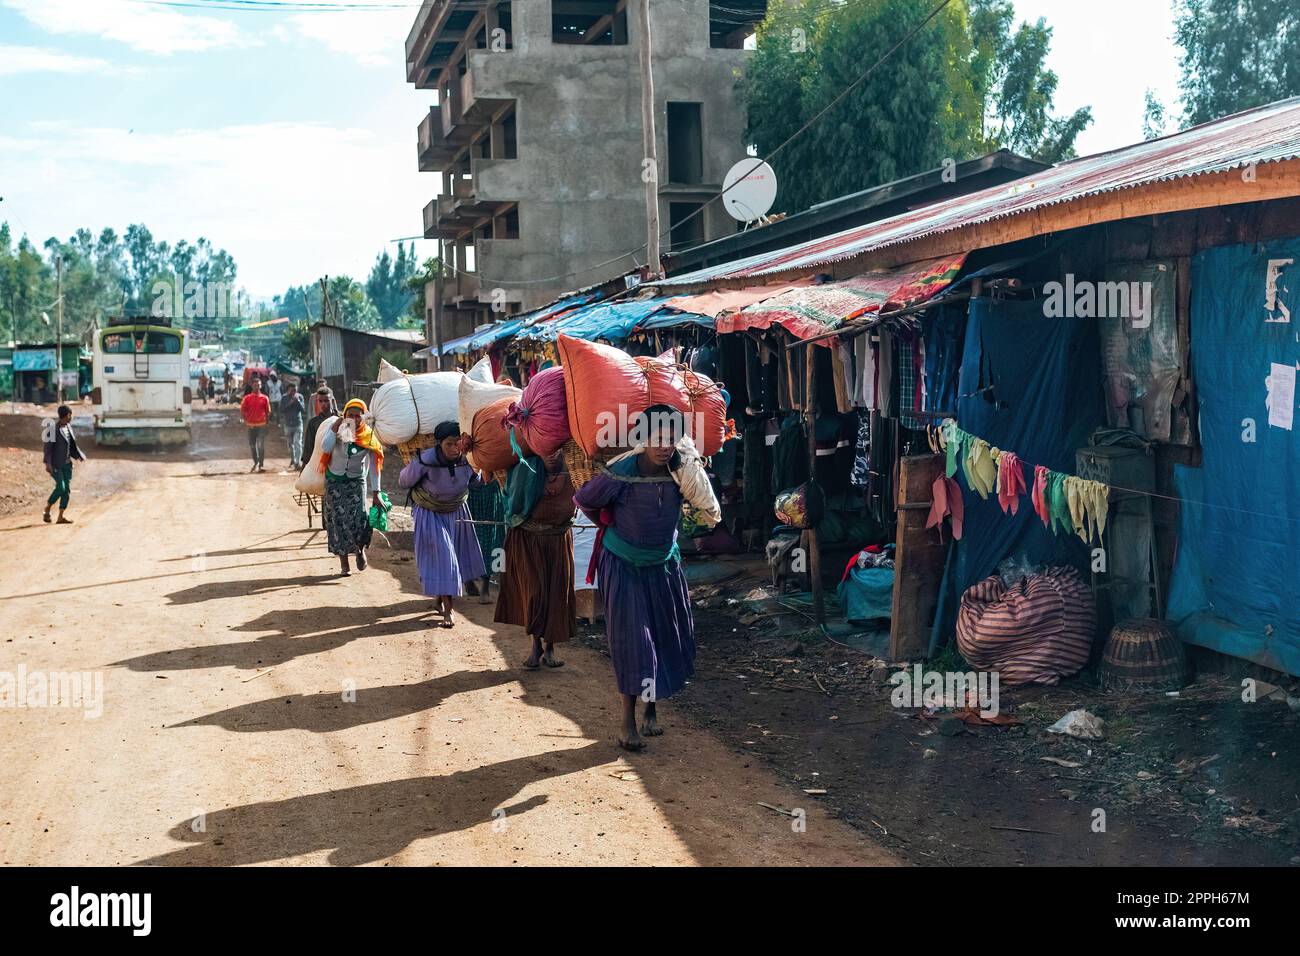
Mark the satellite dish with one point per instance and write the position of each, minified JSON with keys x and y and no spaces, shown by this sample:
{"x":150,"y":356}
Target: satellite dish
{"x":749,"y":189}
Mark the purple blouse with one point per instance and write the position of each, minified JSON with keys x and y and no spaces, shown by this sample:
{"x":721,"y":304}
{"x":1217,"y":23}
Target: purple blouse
{"x":646,"y":513}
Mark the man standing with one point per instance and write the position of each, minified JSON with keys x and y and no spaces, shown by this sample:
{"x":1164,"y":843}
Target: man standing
{"x":292,"y":413}
{"x":255,"y":411}
{"x":323,"y":406}
{"x":275,"y":394}
{"x":60,"y":451}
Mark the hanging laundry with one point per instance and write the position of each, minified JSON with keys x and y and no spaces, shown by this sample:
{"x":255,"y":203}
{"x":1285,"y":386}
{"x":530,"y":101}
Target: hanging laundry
{"x":946,"y":502}
{"x":1039,"y":495}
{"x":1096,"y":500}
{"x":980,"y":467}
{"x":955,"y":444}
{"x":1058,"y":505}
{"x":1011,"y":482}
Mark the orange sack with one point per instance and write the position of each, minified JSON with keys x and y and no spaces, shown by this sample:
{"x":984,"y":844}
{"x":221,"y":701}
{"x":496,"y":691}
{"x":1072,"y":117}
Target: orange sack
{"x":489,"y":444}
{"x":606,"y":389}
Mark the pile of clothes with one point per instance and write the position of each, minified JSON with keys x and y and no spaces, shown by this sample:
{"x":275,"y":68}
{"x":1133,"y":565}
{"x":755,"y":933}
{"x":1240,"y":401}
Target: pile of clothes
{"x":1031,"y":628}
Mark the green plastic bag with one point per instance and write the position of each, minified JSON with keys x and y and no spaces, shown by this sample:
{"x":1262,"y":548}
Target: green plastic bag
{"x":379,"y":512}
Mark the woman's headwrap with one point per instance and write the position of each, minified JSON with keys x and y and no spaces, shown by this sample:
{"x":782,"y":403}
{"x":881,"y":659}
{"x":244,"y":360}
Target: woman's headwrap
{"x":448,"y":429}
{"x":365,"y":437}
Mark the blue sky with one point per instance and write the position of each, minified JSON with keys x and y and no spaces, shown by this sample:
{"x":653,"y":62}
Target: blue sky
{"x":289,"y":138}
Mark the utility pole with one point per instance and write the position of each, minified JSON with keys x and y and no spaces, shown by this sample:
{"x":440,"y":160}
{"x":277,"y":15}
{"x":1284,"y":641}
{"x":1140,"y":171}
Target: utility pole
{"x":650,"y":171}
{"x":58,"y":346}
{"x":434,"y":333}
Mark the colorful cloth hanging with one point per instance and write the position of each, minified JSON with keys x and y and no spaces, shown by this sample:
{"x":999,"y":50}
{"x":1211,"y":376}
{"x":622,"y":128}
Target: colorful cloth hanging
{"x":1011,"y":482}
{"x":946,"y":502}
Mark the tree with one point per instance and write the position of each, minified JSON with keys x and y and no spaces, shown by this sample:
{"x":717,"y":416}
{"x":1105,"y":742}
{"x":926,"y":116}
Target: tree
{"x":428,"y":272}
{"x":1154,"y":117}
{"x":388,"y":287}
{"x":966,"y":83}
{"x":1237,"y":54}
{"x":296,"y":342}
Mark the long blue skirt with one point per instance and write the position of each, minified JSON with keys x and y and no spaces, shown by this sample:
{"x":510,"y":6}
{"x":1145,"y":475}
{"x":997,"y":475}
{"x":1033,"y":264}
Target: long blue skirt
{"x":648,"y":626}
{"x":446,"y":551}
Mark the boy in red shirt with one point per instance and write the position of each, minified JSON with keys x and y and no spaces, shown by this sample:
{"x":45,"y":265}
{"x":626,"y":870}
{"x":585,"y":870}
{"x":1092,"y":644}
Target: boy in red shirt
{"x":254,"y":411}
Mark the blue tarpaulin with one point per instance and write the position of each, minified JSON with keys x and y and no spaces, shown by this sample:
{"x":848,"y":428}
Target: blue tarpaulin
{"x":1238,"y":567}
{"x":489,"y":337}
{"x":457,"y":346}
{"x":671,"y":318}
{"x":1032,"y":385}
{"x":605,"y":320}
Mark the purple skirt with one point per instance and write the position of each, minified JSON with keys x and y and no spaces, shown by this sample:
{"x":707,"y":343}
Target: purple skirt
{"x":446,"y":551}
{"x":648,"y":626}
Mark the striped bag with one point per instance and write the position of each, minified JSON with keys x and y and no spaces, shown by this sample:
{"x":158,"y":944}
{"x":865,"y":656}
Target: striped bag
{"x":1037,"y":631}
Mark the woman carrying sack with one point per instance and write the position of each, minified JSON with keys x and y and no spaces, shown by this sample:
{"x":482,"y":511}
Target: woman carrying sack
{"x":352,"y":459}
{"x":537,"y":587}
{"x":446,"y":549}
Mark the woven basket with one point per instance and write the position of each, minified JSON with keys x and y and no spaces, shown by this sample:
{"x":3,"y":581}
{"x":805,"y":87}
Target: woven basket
{"x":582,"y":467}
{"x":1143,"y":654}
{"x":409,"y":449}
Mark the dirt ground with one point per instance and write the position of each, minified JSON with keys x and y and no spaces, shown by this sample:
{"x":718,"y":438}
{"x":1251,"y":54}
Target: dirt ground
{"x":1200,"y":778}
{"x":227,"y":647}
{"x":258,"y":709}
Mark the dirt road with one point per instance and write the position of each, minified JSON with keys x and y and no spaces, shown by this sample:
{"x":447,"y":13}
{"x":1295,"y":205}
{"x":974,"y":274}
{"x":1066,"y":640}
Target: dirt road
{"x":229,"y":733}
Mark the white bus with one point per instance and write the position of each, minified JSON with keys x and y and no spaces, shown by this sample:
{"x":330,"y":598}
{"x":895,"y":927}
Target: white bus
{"x":142,"y":385}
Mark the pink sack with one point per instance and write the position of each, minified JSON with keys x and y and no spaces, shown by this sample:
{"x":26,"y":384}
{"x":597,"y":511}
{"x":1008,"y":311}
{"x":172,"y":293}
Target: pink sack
{"x":541,"y":415}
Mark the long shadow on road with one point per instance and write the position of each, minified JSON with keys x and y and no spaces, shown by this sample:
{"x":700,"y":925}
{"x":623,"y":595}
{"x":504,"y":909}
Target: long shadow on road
{"x":298,"y":634}
{"x":326,"y":713}
{"x":370,"y":822}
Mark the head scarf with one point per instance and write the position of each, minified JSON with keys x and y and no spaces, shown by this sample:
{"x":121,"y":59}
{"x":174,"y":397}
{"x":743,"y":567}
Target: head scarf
{"x":365,"y":437}
{"x":448,"y":429}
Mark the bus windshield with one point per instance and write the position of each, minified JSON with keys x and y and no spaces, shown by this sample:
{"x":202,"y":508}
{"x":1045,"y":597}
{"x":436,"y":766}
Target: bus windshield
{"x":152,"y":343}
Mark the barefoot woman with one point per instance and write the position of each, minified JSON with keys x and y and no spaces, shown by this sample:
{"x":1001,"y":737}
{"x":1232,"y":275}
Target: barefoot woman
{"x":352,"y":459}
{"x":537,"y":588}
{"x":446,"y":549}
{"x":647,"y":608}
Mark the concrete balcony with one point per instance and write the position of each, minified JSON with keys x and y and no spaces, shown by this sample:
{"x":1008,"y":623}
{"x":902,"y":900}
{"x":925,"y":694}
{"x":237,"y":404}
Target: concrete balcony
{"x":435,"y":154}
{"x":438,"y":225}
{"x":460,"y":290}
{"x":478,"y":107}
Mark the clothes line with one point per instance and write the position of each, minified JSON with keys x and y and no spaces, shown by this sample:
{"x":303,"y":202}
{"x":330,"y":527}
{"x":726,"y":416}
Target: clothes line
{"x":950,"y":423}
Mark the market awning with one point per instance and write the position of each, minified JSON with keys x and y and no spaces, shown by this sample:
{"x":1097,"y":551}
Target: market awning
{"x":815,"y":310}
{"x":724,"y":304}
{"x":670,"y":319}
{"x":606,"y":320}
{"x":494,"y":334}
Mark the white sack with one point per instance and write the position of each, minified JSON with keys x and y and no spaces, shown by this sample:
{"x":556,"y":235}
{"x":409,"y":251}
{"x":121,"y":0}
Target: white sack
{"x":414,"y":405}
{"x":475,"y":396}
{"x":388,"y":372}
{"x":482,"y":371}
{"x":312,"y":479}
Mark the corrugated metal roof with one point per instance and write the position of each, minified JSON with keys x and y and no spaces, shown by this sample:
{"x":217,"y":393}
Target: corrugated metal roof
{"x":1267,"y":134}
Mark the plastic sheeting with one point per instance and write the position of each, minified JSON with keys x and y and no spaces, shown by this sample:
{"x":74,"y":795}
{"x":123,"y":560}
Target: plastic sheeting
{"x":1139,"y":347}
{"x":1032,"y":385}
{"x":806,"y":312}
{"x":611,"y":321}
{"x":1238,"y":566}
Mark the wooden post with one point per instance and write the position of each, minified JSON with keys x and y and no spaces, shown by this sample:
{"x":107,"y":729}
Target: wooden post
{"x":918,"y":559}
{"x":653,"y":265}
{"x":814,"y":550}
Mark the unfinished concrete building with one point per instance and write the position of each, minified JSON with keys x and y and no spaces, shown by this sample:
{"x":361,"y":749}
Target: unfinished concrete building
{"x":537,"y":133}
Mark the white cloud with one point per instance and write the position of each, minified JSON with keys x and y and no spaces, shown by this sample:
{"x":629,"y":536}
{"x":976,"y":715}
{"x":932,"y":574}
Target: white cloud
{"x":144,"y":27}
{"x":375,"y":38}
{"x":290,"y":201}
{"x":30,"y":59}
